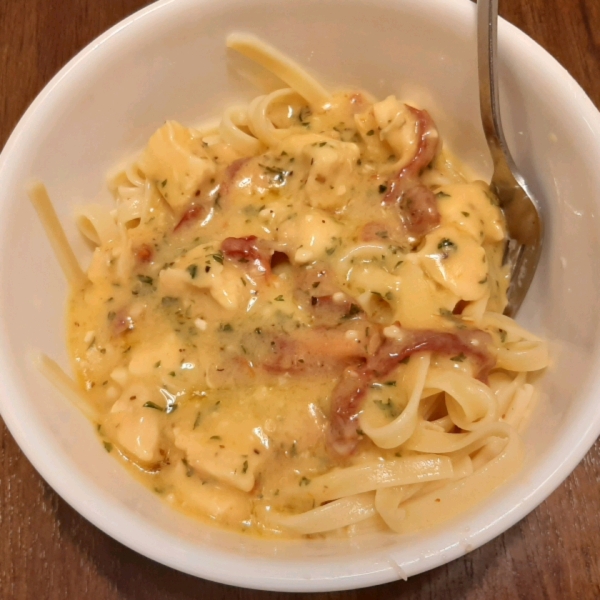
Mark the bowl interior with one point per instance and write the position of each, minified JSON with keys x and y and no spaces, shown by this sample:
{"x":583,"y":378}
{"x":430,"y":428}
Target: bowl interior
{"x":170,"y":61}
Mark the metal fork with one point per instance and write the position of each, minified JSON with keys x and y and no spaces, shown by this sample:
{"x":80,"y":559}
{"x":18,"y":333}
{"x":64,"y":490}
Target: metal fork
{"x":523,"y":219}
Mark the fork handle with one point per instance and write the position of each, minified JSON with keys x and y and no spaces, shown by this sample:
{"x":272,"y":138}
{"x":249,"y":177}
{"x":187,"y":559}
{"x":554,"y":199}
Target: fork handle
{"x":489,"y":100}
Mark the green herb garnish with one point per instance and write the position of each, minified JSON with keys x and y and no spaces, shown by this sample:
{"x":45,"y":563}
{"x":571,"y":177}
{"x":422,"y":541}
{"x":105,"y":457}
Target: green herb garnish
{"x":446,"y":244}
{"x":169,"y":301}
{"x":387,"y":407}
{"x":352,"y":312}
{"x":188,"y":470}
{"x":197,"y":420}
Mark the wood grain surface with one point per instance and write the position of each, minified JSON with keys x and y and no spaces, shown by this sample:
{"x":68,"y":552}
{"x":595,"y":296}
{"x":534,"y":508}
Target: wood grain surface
{"x":47,"y":551}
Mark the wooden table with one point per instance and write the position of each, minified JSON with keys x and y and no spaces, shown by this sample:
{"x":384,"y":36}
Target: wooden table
{"x":48,"y":551}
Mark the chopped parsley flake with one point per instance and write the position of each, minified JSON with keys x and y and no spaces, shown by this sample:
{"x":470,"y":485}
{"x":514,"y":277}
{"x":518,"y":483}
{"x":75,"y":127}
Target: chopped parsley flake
{"x":387,"y":407}
{"x":352,"y":312}
{"x":446,"y":244}
{"x":169,"y":301}
{"x":188,"y":470}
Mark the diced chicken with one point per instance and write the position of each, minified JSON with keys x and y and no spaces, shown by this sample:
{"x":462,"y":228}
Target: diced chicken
{"x":309,"y":235}
{"x":136,"y":428}
{"x":204,"y":268}
{"x":176,"y":160}
{"x":229,"y":456}
{"x":456,"y":261}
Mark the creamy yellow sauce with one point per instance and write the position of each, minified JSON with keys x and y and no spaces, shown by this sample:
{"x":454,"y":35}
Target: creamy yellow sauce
{"x":183,"y":349}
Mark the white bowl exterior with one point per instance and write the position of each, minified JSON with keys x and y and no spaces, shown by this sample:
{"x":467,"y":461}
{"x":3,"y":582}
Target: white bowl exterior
{"x":170,"y":61}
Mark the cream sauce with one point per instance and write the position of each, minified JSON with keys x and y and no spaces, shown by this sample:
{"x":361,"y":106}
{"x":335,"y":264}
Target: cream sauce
{"x":213,"y":365}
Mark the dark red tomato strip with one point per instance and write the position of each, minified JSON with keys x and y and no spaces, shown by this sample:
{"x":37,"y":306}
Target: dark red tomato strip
{"x":416,"y":203}
{"x":349,"y":393}
{"x":248,"y":250}
{"x":144,"y":253}
{"x":193,"y":213}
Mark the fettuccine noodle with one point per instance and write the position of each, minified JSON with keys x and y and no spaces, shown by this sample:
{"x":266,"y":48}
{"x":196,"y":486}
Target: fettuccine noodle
{"x":292,"y":321}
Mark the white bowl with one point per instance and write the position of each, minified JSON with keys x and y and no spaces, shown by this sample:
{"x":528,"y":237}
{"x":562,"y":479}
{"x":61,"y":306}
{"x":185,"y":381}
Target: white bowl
{"x":169,"y":61}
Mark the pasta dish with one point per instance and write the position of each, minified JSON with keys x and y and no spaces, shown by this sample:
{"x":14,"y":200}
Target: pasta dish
{"x":292,"y":321}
